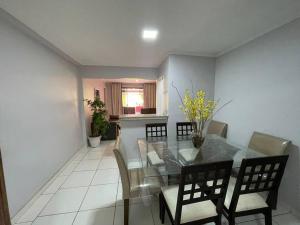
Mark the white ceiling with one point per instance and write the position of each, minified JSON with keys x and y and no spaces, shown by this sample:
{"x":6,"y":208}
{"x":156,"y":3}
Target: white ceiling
{"x":108,"y":32}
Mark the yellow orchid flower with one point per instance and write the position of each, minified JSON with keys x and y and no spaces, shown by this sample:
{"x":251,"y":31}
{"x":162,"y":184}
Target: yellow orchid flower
{"x":198,"y":109}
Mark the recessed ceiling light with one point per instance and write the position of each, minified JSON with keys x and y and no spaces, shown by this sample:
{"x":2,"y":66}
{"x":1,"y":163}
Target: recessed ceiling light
{"x":150,"y":34}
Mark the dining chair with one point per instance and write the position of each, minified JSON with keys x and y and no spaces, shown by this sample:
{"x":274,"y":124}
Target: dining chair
{"x":267,"y":144}
{"x":218,"y":128}
{"x":184,"y":128}
{"x":129,"y":110}
{"x":156,"y":130}
{"x":135,"y":182}
{"x":192,"y":201}
{"x":148,"y":111}
{"x":245,"y":193}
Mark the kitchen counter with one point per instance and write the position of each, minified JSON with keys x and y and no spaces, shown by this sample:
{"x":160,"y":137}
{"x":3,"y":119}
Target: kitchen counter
{"x":133,"y":127}
{"x":135,"y":117}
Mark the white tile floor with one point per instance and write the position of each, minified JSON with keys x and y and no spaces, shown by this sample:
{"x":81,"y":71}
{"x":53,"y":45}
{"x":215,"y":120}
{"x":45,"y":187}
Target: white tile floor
{"x":88,"y":192}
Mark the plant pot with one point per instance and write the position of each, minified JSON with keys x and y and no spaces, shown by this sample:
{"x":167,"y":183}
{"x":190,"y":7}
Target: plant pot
{"x":197,"y":141}
{"x":94,"y":141}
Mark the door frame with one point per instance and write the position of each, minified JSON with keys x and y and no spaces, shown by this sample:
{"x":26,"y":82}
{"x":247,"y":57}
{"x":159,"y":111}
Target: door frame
{"x":4,"y":210}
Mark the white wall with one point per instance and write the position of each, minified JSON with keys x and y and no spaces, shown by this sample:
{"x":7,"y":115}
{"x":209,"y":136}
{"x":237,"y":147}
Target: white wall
{"x":162,"y":88}
{"x":40,"y":126}
{"x":263,"y":79}
{"x":187,"y":72}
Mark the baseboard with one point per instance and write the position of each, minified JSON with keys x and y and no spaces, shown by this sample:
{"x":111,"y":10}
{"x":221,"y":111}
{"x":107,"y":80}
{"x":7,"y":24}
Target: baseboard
{"x":36,"y":195}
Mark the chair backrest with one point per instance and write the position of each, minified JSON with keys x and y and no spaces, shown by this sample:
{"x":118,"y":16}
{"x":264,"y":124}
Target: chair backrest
{"x":114,"y":117}
{"x":156,"y":130}
{"x":123,"y":171}
{"x":218,"y":128}
{"x":184,"y":128}
{"x":148,"y":111}
{"x":259,"y":175}
{"x":129,"y":110}
{"x":267,"y":144}
{"x":203,"y":182}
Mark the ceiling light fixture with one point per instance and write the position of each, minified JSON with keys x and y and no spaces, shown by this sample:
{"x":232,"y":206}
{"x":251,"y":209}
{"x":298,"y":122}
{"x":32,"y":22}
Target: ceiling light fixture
{"x":150,"y":35}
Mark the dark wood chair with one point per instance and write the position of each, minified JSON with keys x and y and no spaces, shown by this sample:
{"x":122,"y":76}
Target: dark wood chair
{"x":184,"y":128}
{"x":114,"y":118}
{"x":156,"y":130}
{"x":199,"y":197}
{"x":256,"y":176}
{"x":148,"y":111}
{"x":129,"y":110}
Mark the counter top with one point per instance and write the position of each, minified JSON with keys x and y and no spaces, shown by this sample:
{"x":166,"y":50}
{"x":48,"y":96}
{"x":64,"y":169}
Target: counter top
{"x":135,"y":117}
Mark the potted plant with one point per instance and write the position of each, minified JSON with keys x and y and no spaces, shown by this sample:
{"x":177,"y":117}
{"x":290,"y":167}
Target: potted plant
{"x":99,"y":122}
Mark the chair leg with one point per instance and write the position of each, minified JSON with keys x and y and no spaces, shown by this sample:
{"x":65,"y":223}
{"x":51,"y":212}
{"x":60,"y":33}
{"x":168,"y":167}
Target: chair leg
{"x":268,"y":217}
{"x":126,"y":211}
{"x":219,"y":220}
{"x":162,"y":209}
{"x":160,"y":205}
{"x":231,"y":220}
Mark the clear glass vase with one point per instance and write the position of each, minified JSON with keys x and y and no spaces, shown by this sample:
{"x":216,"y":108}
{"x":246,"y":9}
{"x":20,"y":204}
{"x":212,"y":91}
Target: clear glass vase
{"x":197,"y":140}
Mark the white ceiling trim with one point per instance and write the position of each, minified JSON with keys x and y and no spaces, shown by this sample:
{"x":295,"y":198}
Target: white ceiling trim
{"x":255,"y":37}
{"x":110,"y":72}
{"x":83,"y":56}
{"x":34,"y":35}
{"x":192,"y":54}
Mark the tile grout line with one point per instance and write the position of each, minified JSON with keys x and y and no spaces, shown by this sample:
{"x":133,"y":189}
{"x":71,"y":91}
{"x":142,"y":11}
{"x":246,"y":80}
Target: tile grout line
{"x":63,"y":213}
{"x":85,"y":195}
{"x":76,"y":212}
{"x":116,"y":199}
{"x":115,"y":205}
{"x":39,"y":215}
{"x":74,"y":160}
{"x":51,"y":199}
{"x":58,"y":187}
{"x":273,"y":216}
{"x":115,"y":212}
{"x":151,"y":210}
{"x":40,"y":193}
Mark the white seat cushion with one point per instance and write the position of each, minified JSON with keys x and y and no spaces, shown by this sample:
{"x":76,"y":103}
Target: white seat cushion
{"x":154,"y":158}
{"x":133,"y":164}
{"x":246,"y":201}
{"x":190,"y":212}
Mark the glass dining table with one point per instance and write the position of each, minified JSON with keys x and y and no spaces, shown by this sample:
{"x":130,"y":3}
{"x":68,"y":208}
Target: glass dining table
{"x":169,"y":154}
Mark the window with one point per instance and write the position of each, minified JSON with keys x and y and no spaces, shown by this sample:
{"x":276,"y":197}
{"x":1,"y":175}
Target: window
{"x":132,"y":97}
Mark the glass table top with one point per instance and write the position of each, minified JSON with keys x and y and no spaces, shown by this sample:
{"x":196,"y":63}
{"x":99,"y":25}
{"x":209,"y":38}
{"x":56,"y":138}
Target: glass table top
{"x":169,"y":154}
